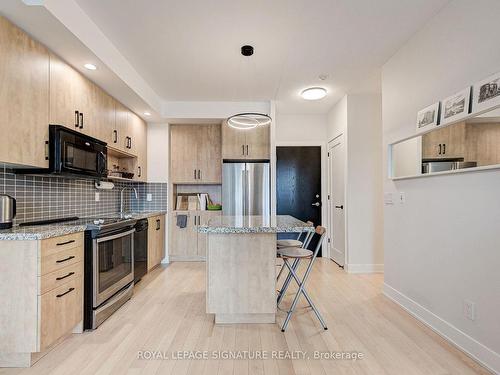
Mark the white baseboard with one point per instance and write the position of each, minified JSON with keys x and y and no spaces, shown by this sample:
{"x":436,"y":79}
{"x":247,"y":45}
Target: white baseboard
{"x":461,"y":340}
{"x":364,"y":268}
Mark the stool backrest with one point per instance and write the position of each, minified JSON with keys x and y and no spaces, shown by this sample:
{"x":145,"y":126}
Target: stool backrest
{"x":319,"y":232}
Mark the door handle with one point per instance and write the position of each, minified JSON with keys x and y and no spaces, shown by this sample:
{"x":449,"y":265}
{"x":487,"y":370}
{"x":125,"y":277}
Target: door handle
{"x":194,"y":170}
{"x":317,"y":204}
{"x":115,"y":133}
{"x":341,"y":207}
{"x":444,"y":148}
{"x":77,"y":119}
{"x":81,"y":120}
{"x":439,"y":153}
{"x":140,"y":172}
{"x":247,"y":150}
{"x":130,"y":142}
{"x":243,"y":150}
{"x":157,"y":224}
{"x":65,"y":259}
{"x":65,"y":276}
{"x":63,"y":294}
{"x":199,"y":174}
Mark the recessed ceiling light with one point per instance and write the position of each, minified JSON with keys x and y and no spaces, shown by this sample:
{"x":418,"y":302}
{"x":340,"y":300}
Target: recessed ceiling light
{"x":313,"y":93}
{"x":147,"y":114}
{"x":90,"y":66}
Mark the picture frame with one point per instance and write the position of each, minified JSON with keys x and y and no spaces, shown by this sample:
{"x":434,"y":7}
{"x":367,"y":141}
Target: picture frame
{"x":428,"y":117}
{"x":456,"y":107}
{"x":486,"y":93}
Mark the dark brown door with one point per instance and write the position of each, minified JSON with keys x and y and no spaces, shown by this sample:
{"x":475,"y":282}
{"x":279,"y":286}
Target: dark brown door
{"x":298,"y":184}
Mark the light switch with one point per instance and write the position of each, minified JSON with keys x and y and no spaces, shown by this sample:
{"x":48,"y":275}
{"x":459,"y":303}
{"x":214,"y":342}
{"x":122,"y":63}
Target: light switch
{"x":388,"y":199}
{"x":402,"y":197}
{"x":149,"y":197}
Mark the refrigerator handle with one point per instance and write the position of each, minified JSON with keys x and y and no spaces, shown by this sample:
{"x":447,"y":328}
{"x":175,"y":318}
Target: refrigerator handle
{"x":244,"y":189}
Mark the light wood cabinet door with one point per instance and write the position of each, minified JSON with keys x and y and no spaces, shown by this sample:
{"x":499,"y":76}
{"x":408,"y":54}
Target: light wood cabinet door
{"x":444,"y":143}
{"x":122,"y":125}
{"x":61,"y":310}
{"x":183,"y":241}
{"x":156,"y":240}
{"x":209,"y":154}
{"x":184,"y":153}
{"x":233,"y":142}
{"x":24,"y":97}
{"x":139,"y":146}
{"x":104,"y":116}
{"x":257,"y":143}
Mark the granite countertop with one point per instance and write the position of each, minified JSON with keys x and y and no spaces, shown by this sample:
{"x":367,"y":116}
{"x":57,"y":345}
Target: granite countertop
{"x":254,"y":224}
{"x":40,"y":232}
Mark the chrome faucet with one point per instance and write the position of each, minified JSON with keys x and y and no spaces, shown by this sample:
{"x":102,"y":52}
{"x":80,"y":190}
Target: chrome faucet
{"x":121,"y":197}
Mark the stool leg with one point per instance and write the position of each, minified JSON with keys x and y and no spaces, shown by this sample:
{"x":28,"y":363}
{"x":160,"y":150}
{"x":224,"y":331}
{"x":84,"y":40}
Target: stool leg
{"x":281,"y":293}
{"x":294,"y":303}
{"x":309,"y":300}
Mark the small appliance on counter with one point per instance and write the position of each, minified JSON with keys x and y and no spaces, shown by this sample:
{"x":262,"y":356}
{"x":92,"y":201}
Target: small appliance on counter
{"x":432,"y":166}
{"x":7,"y":211}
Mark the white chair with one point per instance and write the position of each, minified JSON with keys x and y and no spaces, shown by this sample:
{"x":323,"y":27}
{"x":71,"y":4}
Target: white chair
{"x":298,"y":254}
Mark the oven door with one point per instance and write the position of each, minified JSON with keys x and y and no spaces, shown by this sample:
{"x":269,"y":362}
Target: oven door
{"x":113,"y":264}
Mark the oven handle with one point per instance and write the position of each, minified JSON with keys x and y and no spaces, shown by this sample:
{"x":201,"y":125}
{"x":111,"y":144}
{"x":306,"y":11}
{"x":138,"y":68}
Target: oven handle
{"x":122,"y":234}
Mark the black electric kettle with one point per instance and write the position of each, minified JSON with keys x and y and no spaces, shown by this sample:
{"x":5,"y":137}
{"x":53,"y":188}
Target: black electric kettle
{"x":7,"y":211}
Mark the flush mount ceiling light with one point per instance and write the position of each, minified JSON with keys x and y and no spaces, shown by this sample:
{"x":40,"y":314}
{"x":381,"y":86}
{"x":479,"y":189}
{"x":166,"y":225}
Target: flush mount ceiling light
{"x":244,"y":121}
{"x":313,"y":93}
{"x":248,"y":120}
{"x":90,"y":66}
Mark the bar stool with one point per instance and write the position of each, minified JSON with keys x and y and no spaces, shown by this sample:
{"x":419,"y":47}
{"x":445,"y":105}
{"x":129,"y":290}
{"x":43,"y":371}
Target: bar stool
{"x":294,"y":243}
{"x":297,"y":254}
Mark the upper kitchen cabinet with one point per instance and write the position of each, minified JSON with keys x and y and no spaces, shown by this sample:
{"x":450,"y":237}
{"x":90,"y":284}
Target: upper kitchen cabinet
{"x":138,"y":135}
{"x":72,"y":98}
{"x":245,"y":144}
{"x":120,"y":137}
{"x":444,"y":143}
{"x":24,"y":98}
{"x":195,"y":154}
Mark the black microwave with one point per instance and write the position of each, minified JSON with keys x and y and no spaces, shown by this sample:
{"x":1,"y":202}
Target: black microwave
{"x":74,"y":153}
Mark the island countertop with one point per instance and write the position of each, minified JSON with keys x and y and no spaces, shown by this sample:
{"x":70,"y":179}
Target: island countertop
{"x":254,"y":224}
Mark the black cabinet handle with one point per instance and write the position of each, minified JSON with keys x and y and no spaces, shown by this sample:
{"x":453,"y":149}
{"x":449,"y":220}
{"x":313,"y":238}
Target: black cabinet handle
{"x":65,"y":276}
{"x":158,"y":224}
{"x":439,"y":153}
{"x":115,"y":133}
{"x":242,"y":149}
{"x":63,"y":294}
{"x":247,"y":150}
{"x":199,"y":174}
{"x":81,"y":120}
{"x":77,"y":119}
{"x":139,"y":174}
{"x":64,"y":243}
{"x":194,"y":170}
{"x":444,"y":148}
{"x":340,"y":207}
{"x":65,"y":259}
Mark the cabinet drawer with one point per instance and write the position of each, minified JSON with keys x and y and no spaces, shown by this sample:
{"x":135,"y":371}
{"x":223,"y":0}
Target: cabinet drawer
{"x":56,"y":244}
{"x":61,"y":310}
{"x":61,"y":259}
{"x":57,"y":278}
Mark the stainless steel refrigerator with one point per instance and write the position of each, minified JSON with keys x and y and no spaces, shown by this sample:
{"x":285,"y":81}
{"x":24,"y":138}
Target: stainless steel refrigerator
{"x":246,"y":189}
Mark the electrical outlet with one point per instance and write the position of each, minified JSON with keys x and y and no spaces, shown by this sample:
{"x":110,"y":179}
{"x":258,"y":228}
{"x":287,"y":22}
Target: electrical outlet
{"x":388,"y":199}
{"x":469,"y":310}
{"x":402,"y":197}
{"x":149,"y":197}
{"x":97,"y":196}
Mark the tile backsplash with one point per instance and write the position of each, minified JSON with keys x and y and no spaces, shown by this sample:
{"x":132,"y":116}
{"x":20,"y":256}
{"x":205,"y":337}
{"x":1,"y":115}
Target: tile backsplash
{"x":50,"y":197}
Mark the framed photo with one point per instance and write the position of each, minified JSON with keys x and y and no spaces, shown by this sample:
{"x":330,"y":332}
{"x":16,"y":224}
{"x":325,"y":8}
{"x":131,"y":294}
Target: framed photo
{"x":486,"y":94}
{"x":455,"y":107}
{"x":428,"y":117}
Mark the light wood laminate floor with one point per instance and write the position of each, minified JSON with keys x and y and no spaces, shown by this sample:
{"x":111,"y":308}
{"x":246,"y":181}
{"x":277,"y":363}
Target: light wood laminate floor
{"x":167,"y":313}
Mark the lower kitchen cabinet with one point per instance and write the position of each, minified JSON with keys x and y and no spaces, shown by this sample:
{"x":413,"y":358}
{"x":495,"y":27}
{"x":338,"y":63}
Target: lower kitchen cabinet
{"x":156,"y":240}
{"x":186,"y":244}
{"x":46,"y":304}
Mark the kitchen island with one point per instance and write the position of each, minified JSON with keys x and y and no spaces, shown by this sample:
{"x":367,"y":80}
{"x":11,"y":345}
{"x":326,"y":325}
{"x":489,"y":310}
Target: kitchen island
{"x":241,"y":266}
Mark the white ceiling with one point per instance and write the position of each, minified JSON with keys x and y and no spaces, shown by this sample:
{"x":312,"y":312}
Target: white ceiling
{"x":189,"y":50}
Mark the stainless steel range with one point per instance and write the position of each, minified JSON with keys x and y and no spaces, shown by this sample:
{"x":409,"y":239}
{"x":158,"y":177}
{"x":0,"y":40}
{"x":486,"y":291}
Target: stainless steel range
{"x":109,"y":267}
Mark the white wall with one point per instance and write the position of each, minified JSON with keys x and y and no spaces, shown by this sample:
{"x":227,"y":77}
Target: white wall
{"x":442,"y":245}
{"x":305,"y":128}
{"x":158,"y":152}
{"x":358,"y":117}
